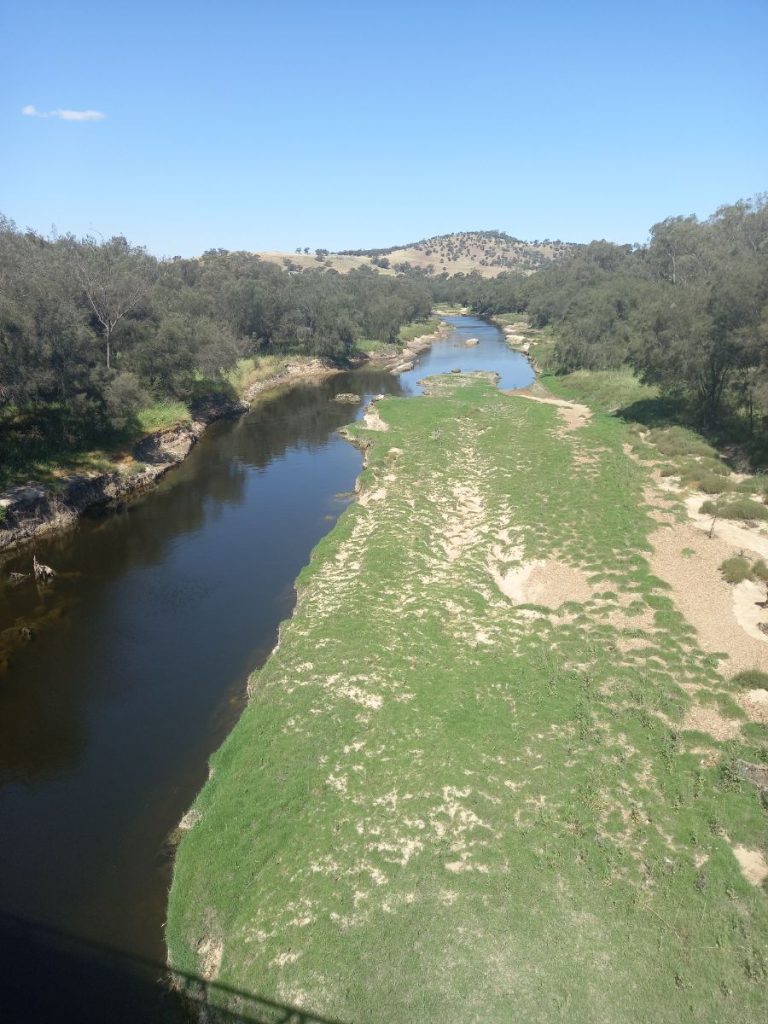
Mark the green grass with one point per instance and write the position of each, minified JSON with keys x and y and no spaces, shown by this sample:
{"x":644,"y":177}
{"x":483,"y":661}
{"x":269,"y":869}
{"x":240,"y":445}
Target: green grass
{"x":709,"y":483}
{"x":417,"y":329}
{"x":442,"y":805}
{"x":754,"y":485}
{"x":680,"y":441}
{"x":602,"y":389}
{"x":255,"y":370}
{"x":371,"y":346}
{"x":161,"y":416}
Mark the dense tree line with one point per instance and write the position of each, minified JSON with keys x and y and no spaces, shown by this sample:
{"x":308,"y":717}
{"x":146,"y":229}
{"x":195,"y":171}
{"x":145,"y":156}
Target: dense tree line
{"x":689,"y":310}
{"x":90,"y":331}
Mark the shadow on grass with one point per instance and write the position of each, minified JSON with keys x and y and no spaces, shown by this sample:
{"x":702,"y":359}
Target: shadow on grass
{"x":47,"y":975}
{"x":656,"y":412}
{"x":742,"y":447}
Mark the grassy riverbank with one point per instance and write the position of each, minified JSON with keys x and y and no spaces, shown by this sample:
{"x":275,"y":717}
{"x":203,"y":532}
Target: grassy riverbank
{"x":476,"y":781}
{"x":47,"y":459}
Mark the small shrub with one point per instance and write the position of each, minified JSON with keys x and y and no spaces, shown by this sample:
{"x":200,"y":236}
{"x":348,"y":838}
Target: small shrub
{"x":736,"y":569}
{"x":743,"y":509}
{"x":752,"y":679}
{"x":710,"y":483}
{"x":760,"y":571}
{"x":715,"y":466}
{"x":702,"y":466}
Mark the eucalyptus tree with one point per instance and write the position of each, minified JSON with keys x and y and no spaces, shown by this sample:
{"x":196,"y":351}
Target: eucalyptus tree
{"x":114,"y":277}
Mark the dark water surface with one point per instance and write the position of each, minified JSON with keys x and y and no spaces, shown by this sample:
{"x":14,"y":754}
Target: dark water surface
{"x":137,"y":672}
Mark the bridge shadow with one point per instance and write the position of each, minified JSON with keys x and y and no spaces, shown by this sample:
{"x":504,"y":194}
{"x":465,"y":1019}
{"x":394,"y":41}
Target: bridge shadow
{"x":49,"y":976}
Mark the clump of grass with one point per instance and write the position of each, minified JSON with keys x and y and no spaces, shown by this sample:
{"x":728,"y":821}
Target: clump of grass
{"x":695,"y":468}
{"x":754,"y":485}
{"x":736,"y":569}
{"x":742,"y":509}
{"x":752,"y":679}
{"x":161,"y":416}
{"x":678,"y":441}
{"x":703,"y":474}
{"x":709,"y":483}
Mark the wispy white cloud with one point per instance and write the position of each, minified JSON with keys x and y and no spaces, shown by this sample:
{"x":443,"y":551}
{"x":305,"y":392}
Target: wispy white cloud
{"x":64,"y":115}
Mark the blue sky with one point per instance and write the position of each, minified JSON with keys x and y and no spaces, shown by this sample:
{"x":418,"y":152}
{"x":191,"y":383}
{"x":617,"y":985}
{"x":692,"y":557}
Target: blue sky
{"x":260,"y":125}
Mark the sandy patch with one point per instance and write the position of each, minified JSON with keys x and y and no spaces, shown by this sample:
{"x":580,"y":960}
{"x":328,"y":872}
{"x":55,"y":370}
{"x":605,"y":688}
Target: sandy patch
{"x":210,"y":953}
{"x":462,"y":529}
{"x":753,"y":864}
{"x":372,"y":496}
{"x":709,"y":720}
{"x":747,"y":538}
{"x":372,"y":419}
{"x":755,"y":704}
{"x":572,"y":414}
{"x":748,"y":597}
{"x":512,"y":583}
{"x":190,"y":819}
{"x":703,"y":596}
{"x":552,"y":583}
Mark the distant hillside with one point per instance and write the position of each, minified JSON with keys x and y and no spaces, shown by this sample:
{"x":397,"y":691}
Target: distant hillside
{"x":487,"y":252}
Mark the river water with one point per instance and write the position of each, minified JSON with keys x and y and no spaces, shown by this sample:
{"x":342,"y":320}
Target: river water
{"x":142,"y":648}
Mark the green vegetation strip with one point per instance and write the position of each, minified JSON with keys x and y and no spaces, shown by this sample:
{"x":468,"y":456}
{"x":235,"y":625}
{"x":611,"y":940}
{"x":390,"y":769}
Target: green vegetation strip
{"x":451,"y":800}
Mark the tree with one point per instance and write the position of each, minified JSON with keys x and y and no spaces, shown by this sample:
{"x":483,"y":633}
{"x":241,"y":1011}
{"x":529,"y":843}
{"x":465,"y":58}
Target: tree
{"x":114,"y":277}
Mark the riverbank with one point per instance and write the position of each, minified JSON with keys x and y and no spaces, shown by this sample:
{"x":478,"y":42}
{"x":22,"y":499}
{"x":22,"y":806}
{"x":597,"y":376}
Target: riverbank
{"x":34,"y":509}
{"x":488,"y":751}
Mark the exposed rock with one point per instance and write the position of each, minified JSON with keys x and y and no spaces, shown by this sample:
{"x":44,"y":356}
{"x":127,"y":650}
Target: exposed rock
{"x":167,"y":447}
{"x":32,"y":510}
{"x":403,"y":367}
{"x":308,"y":369}
{"x":347,"y":398}
{"x":471,"y":342}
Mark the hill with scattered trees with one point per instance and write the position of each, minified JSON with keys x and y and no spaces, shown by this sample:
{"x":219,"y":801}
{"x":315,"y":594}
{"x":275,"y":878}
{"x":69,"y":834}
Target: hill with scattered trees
{"x":487,"y":253}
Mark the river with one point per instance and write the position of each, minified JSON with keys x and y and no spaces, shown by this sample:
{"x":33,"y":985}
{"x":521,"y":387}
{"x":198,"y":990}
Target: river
{"x":142,"y":648}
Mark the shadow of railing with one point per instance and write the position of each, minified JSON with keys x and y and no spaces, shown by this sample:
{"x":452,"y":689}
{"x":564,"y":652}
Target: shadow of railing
{"x":47,"y":975}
